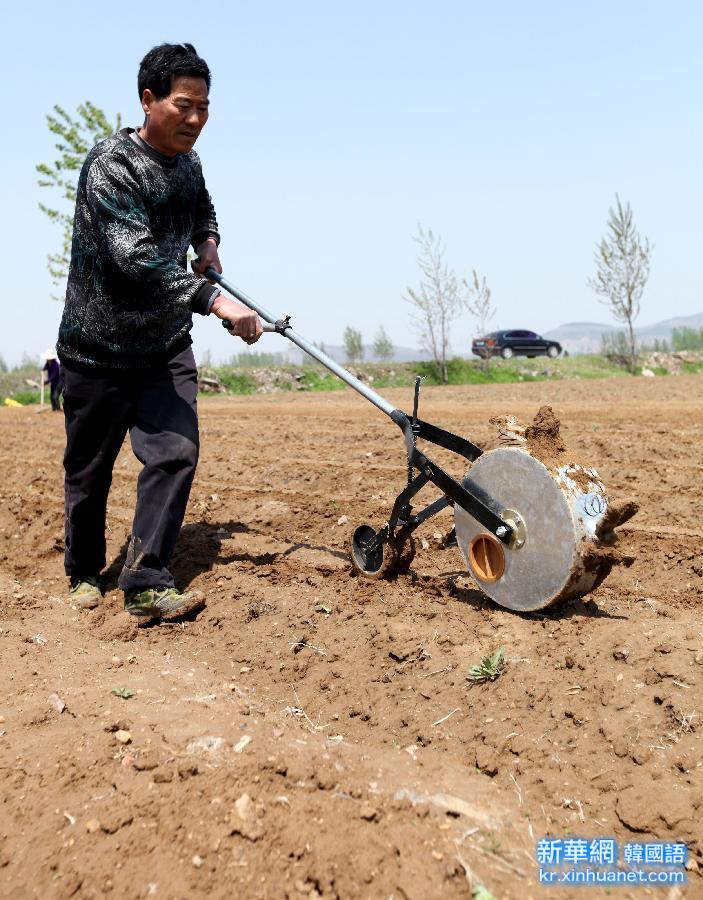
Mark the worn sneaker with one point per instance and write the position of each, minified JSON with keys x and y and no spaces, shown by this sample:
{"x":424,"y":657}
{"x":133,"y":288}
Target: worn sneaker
{"x":85,"y":592}
{"x":162,"y":603}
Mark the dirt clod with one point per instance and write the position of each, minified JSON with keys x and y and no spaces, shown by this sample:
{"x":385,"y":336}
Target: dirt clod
{"x":55,"y":702}
{"x":544,"y":440}
{"x":245,"y":820}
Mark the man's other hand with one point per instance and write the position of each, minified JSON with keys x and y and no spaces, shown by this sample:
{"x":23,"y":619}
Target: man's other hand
{"x":207,"y":256}
{"x":244,"y":322}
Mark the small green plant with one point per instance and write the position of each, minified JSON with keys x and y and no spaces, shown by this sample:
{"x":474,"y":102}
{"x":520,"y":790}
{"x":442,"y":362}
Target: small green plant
{"x":124,"y":692}
{"x":479,"y":892}
{"x":488,"y":669}
{"x":492,"y":844}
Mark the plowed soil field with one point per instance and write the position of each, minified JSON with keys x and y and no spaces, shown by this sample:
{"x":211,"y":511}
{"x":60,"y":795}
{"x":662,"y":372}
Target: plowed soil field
{"x":314,"y":734}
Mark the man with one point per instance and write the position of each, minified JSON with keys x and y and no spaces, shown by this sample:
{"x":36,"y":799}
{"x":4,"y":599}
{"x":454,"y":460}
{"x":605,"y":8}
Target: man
{"x":124,"y":339}
{"x":53,"y":378}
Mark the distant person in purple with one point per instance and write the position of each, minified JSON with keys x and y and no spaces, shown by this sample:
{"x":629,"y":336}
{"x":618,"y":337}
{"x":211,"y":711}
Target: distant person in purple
{"x":53,"y":377}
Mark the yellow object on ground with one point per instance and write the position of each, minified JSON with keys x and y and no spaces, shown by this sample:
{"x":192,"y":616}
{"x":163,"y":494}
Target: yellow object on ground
{"x":10,"y":402}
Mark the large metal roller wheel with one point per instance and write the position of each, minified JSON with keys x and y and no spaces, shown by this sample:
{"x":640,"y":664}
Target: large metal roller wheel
{"x":560,"y":510}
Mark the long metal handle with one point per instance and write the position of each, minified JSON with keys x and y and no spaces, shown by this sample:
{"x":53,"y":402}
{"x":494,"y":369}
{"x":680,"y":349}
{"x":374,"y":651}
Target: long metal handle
{"x":475,"y":501}
{"x":304,"y":345}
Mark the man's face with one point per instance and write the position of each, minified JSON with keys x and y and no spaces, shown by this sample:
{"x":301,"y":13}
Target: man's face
{"x":174,"y":123}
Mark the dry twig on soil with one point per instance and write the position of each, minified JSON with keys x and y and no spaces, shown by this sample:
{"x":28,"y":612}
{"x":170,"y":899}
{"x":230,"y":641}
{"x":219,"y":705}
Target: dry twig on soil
{"x":444,"y":718}
{"x":299,"y":713}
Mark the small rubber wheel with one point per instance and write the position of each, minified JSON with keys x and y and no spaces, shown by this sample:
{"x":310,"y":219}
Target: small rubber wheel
{"x":506,"y":353}
{"x":381,"y":563}
{"x":552,"y":352}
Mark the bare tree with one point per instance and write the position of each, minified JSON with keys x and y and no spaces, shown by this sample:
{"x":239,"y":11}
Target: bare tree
{"x":478,"y":302}
{"x":353,"y":346}
{"x":622,"y":269}
{"x":382,"y":345}
{"x":437,"y":301}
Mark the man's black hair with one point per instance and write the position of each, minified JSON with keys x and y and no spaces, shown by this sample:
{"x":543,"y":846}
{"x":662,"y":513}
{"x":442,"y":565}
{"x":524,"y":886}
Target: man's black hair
{"x":167,"y":61}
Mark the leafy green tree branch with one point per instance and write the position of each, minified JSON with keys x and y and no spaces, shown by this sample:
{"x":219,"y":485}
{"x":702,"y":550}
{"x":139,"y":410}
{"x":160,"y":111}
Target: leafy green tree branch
{"x":76,"y":135}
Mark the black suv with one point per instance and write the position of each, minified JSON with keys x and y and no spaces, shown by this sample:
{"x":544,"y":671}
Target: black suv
{"x":514,"y":343}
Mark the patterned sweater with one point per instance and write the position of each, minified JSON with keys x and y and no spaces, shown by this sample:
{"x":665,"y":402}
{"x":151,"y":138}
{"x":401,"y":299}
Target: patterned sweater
{"x":130,"y":297}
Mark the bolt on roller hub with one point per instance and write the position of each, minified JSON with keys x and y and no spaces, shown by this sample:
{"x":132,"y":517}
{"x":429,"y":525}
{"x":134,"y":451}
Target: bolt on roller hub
{"x":554,"y":554}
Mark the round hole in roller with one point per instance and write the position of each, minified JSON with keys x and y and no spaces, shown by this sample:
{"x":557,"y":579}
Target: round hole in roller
{"x":487,"y":557}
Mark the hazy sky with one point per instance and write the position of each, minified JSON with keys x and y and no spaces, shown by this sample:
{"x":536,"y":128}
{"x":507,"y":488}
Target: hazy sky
{"x":335,"y":128}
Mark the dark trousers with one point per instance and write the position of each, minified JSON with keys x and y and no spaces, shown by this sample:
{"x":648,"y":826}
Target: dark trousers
{"x":56,"y":396}
{"x":158,"y":408}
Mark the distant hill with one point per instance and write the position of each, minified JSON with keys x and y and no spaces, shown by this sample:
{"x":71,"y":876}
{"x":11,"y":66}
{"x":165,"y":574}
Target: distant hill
{"x":585,"y":337}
